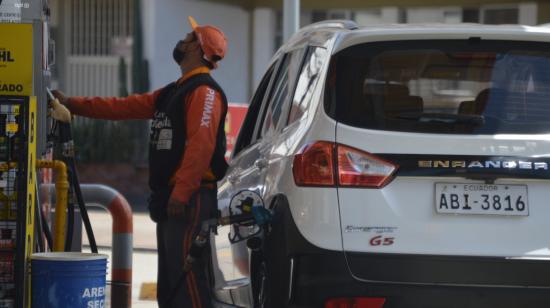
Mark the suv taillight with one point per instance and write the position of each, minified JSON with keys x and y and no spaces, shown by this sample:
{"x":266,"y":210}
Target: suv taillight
{"x":314,"y":165}
{"x":361,"y":169}
{"x":325,"y":163}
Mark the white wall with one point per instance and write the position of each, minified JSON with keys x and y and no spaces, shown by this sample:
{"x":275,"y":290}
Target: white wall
{"x":390,"y":14}
{"x":385,"y":15}
{"x":165,"y":22}
{"x":424,"y":15}
{"x":451,"y":14}
{"x":528,"y":14}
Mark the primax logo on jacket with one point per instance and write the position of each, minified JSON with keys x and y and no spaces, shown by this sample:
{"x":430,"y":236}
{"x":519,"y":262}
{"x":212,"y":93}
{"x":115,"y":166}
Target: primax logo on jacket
{"x":208,"y":106}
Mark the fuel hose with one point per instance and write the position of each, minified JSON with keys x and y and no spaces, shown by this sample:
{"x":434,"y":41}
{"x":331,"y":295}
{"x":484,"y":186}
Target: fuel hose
{"x":62,"y":115}
{"x":258,"y":215}
{"x":68,"y":152}
{"x":38,"y":214}
{"x":82,"y":205}
{"x":70,"y":224}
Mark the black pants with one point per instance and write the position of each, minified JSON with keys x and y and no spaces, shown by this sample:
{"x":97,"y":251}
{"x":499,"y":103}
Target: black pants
{"x":174,"y":238}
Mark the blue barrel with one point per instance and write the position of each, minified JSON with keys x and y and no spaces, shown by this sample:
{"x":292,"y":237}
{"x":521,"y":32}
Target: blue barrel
{"x":68,"y":279}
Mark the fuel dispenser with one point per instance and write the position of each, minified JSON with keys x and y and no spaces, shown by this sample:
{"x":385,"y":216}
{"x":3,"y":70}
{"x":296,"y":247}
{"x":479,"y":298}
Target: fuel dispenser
{"x":24,"y":122}
{"x":24,"y":72}
{"x":27,"y":133}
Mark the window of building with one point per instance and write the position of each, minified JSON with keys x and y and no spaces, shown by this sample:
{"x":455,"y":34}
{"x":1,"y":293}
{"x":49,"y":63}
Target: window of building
{"x":452,"y":16}
{"x":470,"y":15}
{"x":492,"y":15}
{"x":95,"y":23}
{"x":498,"y":16}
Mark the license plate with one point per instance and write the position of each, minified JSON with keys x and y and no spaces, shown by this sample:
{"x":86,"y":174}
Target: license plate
{"x":489,"y":199}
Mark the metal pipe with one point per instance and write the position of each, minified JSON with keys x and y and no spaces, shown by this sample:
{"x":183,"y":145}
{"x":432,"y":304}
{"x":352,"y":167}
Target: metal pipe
{"x":123,"y":229}
{"x":5,"y":167}
{"x":61,"y":197}
{"x":291,"y":18}
{"x":121,"y":212}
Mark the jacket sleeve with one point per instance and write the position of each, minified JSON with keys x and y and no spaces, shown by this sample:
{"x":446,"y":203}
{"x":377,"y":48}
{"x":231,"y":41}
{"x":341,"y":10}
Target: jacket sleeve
{"x":203,"y":111}
{"x":141,"y":106}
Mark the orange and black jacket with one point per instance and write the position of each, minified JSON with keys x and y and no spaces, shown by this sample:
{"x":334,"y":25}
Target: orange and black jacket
{"x":203,"y":109}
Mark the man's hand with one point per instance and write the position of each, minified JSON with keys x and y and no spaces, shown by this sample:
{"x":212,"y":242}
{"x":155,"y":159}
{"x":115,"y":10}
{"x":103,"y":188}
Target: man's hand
{"x":63,"y":99}
{"x":176,"y":208}
{"x":59,"y":110}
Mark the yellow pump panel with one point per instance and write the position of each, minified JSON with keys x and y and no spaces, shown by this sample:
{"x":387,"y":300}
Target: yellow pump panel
{"x":31,"y":185}
{"x":16,"y":56}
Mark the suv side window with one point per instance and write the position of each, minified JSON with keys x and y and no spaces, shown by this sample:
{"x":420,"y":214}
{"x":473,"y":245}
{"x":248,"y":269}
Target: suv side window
{"x":307,"y":80}
{"x":279,"y":91}
{"x":247,"y":129}
{"x":282,"y":90}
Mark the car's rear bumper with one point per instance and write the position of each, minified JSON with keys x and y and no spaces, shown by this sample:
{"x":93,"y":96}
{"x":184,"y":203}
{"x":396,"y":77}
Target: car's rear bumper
{"x":411,"y":281}
{"x":450,"y":270}
{"x":318,"y":277}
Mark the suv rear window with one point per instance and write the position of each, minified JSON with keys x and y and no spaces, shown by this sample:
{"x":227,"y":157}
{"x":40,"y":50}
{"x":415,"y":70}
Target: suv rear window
{"x":442,"y":86}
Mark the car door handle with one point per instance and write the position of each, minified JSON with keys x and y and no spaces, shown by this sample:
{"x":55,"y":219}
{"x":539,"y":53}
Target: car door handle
{"x":260,"y":163}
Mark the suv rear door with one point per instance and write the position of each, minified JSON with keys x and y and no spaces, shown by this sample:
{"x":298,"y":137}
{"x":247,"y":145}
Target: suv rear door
{"x":443,"y":161}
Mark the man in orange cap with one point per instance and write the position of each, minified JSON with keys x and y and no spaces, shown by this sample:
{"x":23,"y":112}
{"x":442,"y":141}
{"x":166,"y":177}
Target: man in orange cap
{"x":186,"y":156}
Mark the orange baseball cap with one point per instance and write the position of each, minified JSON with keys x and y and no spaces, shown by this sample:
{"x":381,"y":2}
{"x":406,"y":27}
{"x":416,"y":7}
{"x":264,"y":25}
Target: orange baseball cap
{"x":212,"y":41}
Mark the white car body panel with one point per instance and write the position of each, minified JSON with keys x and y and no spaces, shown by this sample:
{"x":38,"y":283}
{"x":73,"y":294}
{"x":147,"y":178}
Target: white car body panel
{"x":378,"y":141}
{"x":407,"y":206}
{"x":447,"y":32}
{"x":314,"y":210}
{"x":410,"y":218}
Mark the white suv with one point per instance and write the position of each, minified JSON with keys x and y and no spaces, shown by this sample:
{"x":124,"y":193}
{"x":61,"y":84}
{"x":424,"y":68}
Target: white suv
{"x":406,"y":166}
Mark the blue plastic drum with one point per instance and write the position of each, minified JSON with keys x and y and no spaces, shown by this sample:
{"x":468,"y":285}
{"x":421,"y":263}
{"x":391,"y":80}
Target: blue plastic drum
{"x":68,"y":279}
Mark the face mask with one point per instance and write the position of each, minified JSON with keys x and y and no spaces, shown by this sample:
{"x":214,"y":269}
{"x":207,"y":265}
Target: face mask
{"x":177,"y":54}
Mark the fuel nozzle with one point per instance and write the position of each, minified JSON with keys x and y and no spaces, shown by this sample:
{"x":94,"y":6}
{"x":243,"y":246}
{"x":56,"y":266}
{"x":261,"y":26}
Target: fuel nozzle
{"x":256,"y":215}
{"x":62,"y":115}
{"x":58,"y":111}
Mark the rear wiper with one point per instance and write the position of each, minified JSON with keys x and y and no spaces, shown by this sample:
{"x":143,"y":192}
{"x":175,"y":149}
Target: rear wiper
{"x":449,"y":118}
